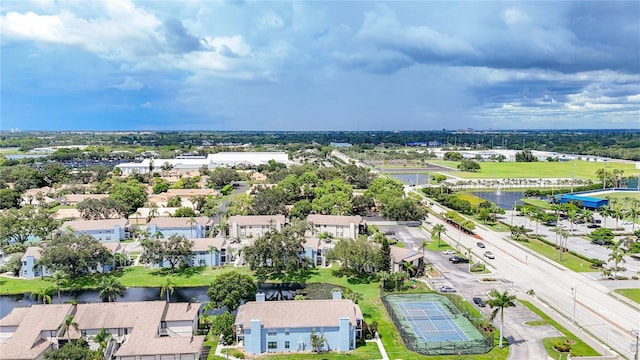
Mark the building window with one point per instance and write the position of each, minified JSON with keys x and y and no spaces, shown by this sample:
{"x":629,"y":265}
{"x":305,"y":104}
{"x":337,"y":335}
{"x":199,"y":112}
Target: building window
{"x":286,"y":331}
{"x":83,"y":332}
{"x":272,"y":333}
{"x":202,"y":263}
{"x":108,"y":238}
{"x":163,"y":325}
{"x":286,"y":345}
{"x":272,"y":345}
{"x":53,"y":333}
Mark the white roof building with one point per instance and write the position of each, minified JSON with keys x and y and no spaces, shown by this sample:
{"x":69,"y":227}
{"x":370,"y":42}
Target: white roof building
{"x":228,"y":159}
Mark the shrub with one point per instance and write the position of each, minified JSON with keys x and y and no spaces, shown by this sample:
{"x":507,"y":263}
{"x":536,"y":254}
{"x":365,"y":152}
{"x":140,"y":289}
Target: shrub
{"x":562,"y":346}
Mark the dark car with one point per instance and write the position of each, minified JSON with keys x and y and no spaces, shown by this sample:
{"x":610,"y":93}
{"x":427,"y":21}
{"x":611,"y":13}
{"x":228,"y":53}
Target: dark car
{"x":480,"y":244}
{"x":478,"y":301}
{"x":593,"y":226}
{"x":602,"y":242}
{"x":458,"y":259}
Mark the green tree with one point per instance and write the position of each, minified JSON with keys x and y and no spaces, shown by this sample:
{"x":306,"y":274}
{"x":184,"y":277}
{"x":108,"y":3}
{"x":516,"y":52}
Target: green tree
{"x":102,"y":338}
{"x":72,"y":351}
{"x":176,"y":250}
{"x":9,"y":198}
{"x":66,"y":326}
{"x":617,"y":256}
{"x":59,"y":277}
{"x":132,"y":193}
{"x":301,"y":209}
{"x":359,"y":257}
{"x":43,"y":294}
{"x":400,"y":209}
{"x":174,"y":201}
{"x":385,"y":256}
{"x":222,"y":176}
{"x":277,"y":254}
{"x":269,"y":201}
{"x":500,"y":301}
{"x":469,"y":165}
{"x":168,"y":287}
{"x":223,"y":325}
{"x":317,"y":341}
{"x":338,"y":203}
{"x":229,"y":289}
{"x":110,"y":288}
{"x":75,"y":254}
{"x":437,"y":232}
{"x":184,"y":212}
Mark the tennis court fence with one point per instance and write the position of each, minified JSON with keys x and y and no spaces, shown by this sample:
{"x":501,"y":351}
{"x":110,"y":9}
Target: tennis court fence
{"x":477,"y":345}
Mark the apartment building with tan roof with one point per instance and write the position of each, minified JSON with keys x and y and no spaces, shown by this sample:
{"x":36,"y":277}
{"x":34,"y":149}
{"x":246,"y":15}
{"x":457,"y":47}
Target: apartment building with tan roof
{"x":140,"y":330}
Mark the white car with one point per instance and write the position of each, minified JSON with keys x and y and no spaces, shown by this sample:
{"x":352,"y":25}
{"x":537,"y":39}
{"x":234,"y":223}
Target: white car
{"x":449,"y":252}
{"x":489,"y":255}
{"x":447,"y":289}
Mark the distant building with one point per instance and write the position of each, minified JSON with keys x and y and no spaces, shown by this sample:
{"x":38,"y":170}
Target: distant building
{"x":228,"y":159}
{"x":286,"y":326}
{"x":338,"y":226}
{"x":103,"y":230}
{"x":188,"y":227}
{"x":400,"y":257}
{"x":30,"y":267}
{"x":584,"y":201}
{"x":253,"y":226}
{"x":340,"y":145}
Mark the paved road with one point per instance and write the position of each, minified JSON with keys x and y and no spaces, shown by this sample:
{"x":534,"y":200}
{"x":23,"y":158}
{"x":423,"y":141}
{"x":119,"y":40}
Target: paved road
{"x":604,"y":316}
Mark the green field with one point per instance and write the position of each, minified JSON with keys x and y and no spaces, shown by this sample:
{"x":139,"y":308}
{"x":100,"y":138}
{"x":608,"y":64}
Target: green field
{"x":632,"y":294}
{"x":583,"y":169}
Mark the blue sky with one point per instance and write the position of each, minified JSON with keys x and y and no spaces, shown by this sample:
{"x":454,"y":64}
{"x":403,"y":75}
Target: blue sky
{"x":319,"y":65}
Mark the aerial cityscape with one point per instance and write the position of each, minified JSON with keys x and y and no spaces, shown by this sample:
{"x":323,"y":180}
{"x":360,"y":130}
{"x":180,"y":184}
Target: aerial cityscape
{"x":319,"y":180}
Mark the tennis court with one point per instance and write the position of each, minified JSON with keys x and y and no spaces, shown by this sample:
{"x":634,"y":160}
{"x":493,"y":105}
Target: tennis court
{"x":436,"y":324}
{"x":431,"y":322}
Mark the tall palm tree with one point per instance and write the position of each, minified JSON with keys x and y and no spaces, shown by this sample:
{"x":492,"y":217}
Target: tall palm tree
{"x":66,"y":326}
{"x":605,"y":212}
{"x":437,"y":231}
{"x":617,"y":256}
{"x":423,"y":245}
{"x":110,"y":288}
{"x":499,"y":301}
{"x":43,"y":294}
{"x":59,"y":277}
{"x":618,"y":213}
{"x":168,"y":287}
{"x":634,"y":211}
{"x":191,"y":222}
{"x":38,"y":264}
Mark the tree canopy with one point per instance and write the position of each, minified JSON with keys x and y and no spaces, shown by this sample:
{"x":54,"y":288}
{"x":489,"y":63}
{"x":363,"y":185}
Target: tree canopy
{"x":229,"y":289}
{"x":75,"y":254}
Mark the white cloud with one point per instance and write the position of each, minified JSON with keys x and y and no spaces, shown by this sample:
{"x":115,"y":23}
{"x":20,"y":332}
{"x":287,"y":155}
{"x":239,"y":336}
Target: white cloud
{"x":514,"y":16}
{"x":271,"y":20}
{"x":129,"y":84}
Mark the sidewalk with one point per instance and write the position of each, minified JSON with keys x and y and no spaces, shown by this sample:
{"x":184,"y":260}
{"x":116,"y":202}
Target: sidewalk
{"x":383,"y":352}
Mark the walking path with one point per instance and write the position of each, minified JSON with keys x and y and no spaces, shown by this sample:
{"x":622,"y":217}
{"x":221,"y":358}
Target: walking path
{"x":383,"y":352}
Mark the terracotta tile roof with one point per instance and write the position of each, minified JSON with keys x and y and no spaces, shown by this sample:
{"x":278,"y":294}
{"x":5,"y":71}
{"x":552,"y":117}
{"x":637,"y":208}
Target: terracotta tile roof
{"x":297,"y":314}
{"x":90,"y":225}
{"x":257,"y":220}
{"x":334,"y":219}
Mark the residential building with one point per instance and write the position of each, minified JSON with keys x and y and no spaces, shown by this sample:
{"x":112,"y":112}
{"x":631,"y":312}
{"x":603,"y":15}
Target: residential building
{"x":338,"y":226}
{"x":74,"y":199}
{"x":140,"y":330}
{"x":30,"y":267}
{"x":286,"y":326}
{"x":314,"y":249}
{"x":210,"y":252}
{"x":400,"y":257}
{"x":243,"y":227}
{"x":188,"y":227}
{"x":103,"y":230}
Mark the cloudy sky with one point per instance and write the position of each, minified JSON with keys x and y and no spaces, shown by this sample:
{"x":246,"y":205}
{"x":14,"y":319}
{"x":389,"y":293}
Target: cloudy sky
{"x":319,"y":65}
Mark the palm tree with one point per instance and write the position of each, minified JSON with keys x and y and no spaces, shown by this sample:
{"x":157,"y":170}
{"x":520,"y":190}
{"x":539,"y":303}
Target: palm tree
{"x":409,"y":268}
{"x":102,"y":338}
{"x":43,"y":294}
{"x":39,"y":264}
{"x":423,"y":245}
{"x":437,"y":231}
{"x":110,"y":288}
{"x":605,"y":212}
{"x":500,"y":301}
{"x":191,"y":222}
{"x":634,"y":211}
{"x":383,"y":276}
{"x":617,"y":257}
{"x":618,"y":213}
{"x":67,"y":325}
{"x":168,"y":287}
{"x":59,"y":277}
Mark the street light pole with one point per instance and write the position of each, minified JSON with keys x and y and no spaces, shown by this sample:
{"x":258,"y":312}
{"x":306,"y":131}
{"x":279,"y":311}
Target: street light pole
{"x":636,"y":332}
{"x":574,"y":292}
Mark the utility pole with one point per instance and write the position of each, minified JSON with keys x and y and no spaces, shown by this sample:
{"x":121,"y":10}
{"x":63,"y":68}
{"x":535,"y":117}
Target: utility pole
{"x":636,"y":332}
{"x":574,"y":293}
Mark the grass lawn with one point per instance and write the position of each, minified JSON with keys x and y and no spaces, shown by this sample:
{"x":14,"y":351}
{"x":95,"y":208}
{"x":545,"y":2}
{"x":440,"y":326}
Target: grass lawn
{"x":583,"y":169}
{"x":367,"y":351}
{"x":133,"y":276}
{"x":570,"y":261}
{"x":542,"y":204}
{"x":633,"y":294}
{"x":579,"y":348}
{"x":474,"y":200}
{"x":436,"y":245}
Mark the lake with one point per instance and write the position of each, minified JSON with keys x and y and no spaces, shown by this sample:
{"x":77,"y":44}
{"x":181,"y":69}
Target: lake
{"x":181,"y":294}
{"x":504,"y":199}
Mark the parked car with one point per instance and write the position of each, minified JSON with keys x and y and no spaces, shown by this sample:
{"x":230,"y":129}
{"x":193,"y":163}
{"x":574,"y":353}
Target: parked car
{"x":593,"y":226}
{"x":480,"y":244}
{"x":449,"y":252}
{"x":447,"y":289}
{"x":602,"y":242}
{"x":550,"y":223}
{"x":478,"y":301}
{"x":489,"y":255}
{"x":458,"y":259}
